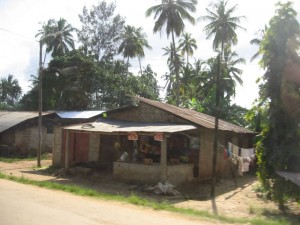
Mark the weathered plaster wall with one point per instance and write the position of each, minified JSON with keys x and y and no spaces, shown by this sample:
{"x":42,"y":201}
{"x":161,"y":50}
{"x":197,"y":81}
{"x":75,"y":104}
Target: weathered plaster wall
{"x":176,"y":174}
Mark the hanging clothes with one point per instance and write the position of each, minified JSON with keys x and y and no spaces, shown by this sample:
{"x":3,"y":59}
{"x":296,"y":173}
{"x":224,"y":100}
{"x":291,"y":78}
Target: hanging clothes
{"x":229,"y":150}
{"x":235,"y":149}
{"x":241,"y":166}
{"x":246,"y":154}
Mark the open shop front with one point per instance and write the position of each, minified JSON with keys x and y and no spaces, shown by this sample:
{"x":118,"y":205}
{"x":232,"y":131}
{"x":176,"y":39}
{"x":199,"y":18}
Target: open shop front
{"x":145,"y":152}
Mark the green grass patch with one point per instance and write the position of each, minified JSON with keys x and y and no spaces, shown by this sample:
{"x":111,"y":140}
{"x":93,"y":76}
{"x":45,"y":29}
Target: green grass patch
{"x":17,"y":159}
{"x":136,"y":200}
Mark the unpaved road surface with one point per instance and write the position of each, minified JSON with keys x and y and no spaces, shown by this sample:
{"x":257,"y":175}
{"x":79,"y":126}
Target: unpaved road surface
{"x":29,"y":205}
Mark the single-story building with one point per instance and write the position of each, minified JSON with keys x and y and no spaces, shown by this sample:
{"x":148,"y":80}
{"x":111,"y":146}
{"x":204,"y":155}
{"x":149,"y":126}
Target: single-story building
{"x":19,"y":132}
{"x":19,"y":129}
{"x":151,"y":142}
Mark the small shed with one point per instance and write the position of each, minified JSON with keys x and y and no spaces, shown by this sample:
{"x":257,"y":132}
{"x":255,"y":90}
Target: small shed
{"x":153,"y":141}
{"x":19,"y":129}
{"x":19,"y":132}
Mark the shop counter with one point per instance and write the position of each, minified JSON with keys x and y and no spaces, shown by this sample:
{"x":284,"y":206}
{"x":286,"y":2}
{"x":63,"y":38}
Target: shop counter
{"x":176,"y":174}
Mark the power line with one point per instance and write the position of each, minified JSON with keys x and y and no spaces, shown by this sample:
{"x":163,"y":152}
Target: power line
{"x":17,"y":34}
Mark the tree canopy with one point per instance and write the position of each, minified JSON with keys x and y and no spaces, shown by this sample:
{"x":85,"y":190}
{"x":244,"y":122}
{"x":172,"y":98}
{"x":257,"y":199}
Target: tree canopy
{"x":279,"y":147}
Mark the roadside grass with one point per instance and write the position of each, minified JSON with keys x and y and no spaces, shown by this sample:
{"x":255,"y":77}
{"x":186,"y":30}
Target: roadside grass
{"x":17,"y":159}
{"x":136,"y":200}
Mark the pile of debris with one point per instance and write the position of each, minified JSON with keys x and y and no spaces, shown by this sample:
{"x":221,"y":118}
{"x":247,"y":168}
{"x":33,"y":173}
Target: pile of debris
{"x":163,"y":189}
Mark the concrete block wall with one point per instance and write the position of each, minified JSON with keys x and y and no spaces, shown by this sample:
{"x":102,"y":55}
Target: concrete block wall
{"x":27,"y":138}
{"x":94,"y":146}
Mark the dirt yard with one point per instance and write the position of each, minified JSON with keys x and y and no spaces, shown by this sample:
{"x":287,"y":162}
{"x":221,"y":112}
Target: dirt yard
{"x":232,"y":200}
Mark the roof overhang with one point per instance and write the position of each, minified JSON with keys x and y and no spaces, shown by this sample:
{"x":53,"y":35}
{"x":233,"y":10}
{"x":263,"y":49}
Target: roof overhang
{"x":124,"y":127}
{"x":291,"y":176}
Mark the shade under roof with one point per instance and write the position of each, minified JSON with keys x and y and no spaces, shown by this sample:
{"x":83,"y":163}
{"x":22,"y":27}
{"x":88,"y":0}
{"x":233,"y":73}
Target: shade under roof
{"x":108,"y":126}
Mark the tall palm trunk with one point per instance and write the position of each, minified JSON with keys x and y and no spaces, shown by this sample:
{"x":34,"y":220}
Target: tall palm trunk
{"x":140,"y":65}
{"x":127,"y":65}
{"x":176,"y":70}
{"x":187,"y":59}
{"x":216,"y":131}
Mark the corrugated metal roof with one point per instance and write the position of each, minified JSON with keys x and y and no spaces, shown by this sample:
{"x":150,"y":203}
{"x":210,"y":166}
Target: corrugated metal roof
{"x":109,"y":126}
{"x":9,"y":119}
{"x":194,"y":116}
{"x":78,"y":114}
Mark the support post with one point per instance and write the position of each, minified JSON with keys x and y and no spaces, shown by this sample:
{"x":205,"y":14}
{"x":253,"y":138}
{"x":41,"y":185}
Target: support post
{"x":67,"y":154}
{"x":40,"y":127}
{"x":163,"y":160}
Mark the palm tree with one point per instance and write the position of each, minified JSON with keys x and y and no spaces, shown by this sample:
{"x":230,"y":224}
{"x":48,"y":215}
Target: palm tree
{"x":141,"y":43}
{"x":257,"y":41}
{"x":10,"y":91}
{"x":57,"y":35}
{"x":133,"y":44}
{"x":170,"y":14}
{"x":187,"y":44}
{"x":222,"y":26}
{"x":128,"y":45}
{"x":174,"y":62}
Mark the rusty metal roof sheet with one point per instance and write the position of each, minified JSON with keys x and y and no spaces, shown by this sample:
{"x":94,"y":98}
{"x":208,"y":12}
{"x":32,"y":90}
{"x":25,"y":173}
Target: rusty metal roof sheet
{"x":195,"y":117}
{"x":9,"y":119}
{"x":113,"y":126}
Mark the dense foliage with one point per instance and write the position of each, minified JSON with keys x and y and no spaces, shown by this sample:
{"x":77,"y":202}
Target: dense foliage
{"x":94,"y":76}
{"x":77,"y":82}
{"x":279,"y":147}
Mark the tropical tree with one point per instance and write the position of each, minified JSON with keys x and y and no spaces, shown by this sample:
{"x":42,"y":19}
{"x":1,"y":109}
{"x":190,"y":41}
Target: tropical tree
{"x":10,"y":91}
{"x":133,"y":44}
{"x":149,"y":85}
{"x":141,"y":44}
{"x":58,"y":37}
{"x":279,"y":147}
{"x":222,"y":27}
{"x":172,"y":80}
{"x":101,"y":31}
{"x":187,"y":44}
{"x":170,"y":14}
{"x":257,"y":41}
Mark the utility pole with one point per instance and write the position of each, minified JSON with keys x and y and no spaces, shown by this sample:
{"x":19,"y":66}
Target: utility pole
{"x":216,"y":137}
{"x":40,"y":127}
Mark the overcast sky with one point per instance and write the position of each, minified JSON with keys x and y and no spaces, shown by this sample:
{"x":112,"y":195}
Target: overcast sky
{"x":19,"y":49}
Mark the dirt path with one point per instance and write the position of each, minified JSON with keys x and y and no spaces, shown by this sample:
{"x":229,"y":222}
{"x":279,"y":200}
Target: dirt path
{"x":29,"y":205}
{"x":233,"y":201}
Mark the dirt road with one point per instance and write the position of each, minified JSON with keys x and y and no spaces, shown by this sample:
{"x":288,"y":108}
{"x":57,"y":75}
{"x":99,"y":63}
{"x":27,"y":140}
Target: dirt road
{"x":29,"y":205}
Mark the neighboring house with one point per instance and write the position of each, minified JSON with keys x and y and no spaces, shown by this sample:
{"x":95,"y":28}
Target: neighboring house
{"x":152,"y":142}
{"x":19,"y":132}
{"x":19,"y":129}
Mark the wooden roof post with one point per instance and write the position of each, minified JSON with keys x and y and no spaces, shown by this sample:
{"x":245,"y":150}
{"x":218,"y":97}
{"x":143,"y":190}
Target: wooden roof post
{"x":67,"y":154}
{"x":163,"y":160}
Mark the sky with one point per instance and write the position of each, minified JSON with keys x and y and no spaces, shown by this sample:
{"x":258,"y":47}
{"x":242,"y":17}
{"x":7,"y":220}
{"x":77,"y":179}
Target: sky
{"x":21,"y":20}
